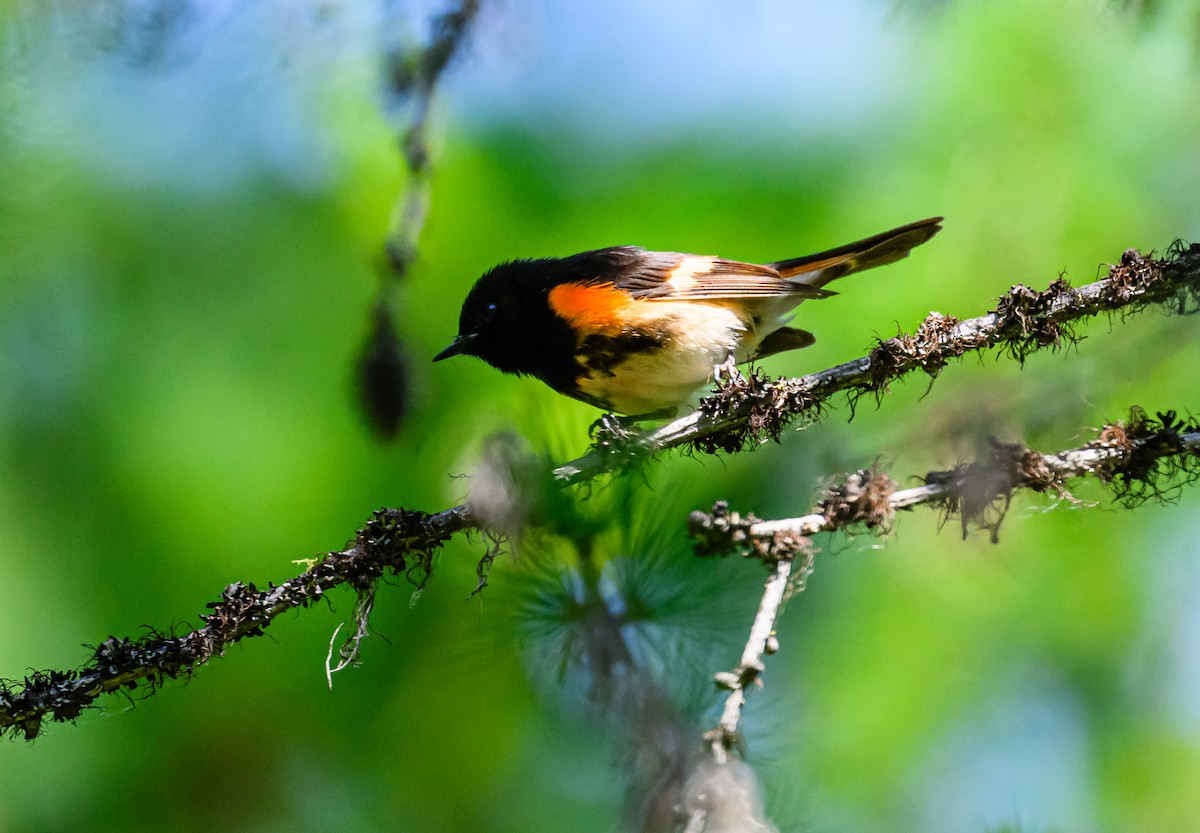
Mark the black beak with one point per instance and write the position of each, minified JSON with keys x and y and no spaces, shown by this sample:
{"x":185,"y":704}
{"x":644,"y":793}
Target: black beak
{"x":457,"y":347}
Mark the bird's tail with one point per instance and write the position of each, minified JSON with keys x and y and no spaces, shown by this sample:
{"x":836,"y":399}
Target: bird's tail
{"x":886,"y":247}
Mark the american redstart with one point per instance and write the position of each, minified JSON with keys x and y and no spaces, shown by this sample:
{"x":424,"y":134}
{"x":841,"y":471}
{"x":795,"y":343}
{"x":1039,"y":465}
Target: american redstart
{"x":637,"y":332}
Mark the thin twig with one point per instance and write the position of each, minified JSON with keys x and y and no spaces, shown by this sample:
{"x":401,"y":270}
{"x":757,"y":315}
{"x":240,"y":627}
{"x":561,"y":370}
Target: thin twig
{"x":419,"y":80}
{"x":413,"y":75}
{"x":751,"y":664}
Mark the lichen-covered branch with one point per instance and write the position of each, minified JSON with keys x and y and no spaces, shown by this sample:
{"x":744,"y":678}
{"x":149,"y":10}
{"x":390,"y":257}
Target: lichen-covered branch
{"x":394,"y":542}
{"x":1139,"y":458}
{"x":749,"y":410}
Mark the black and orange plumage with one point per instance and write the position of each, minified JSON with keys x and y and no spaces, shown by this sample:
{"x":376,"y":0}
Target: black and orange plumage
{"x":636,"y":331}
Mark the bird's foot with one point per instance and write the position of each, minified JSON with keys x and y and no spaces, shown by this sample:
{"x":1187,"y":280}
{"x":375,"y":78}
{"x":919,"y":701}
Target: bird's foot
{"x":615,"y":438}
{"x":611,"y":424}
{"x":725,"y":371}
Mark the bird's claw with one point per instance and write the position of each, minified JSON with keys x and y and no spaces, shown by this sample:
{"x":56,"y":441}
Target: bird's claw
{"x":725,"y":370}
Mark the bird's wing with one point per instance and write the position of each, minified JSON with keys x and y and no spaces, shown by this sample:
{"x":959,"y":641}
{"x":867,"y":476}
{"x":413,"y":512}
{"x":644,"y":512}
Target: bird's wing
{"x":671,"y":276}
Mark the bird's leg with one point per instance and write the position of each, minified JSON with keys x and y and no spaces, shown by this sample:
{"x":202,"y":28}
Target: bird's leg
{"x":611,"y":425}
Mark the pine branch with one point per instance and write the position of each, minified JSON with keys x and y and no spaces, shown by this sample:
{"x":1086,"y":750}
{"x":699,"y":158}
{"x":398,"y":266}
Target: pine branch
{"x":1141,"y":458}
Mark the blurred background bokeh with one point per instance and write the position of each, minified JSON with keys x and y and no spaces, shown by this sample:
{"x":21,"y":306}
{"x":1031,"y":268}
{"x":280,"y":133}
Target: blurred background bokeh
{"x":193,"y":199}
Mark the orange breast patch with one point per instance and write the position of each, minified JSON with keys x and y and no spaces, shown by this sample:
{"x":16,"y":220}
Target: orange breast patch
{"x":591,"y":307}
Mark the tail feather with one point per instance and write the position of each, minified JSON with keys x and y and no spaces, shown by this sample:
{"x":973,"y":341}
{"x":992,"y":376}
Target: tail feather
{"x":887,"y":247}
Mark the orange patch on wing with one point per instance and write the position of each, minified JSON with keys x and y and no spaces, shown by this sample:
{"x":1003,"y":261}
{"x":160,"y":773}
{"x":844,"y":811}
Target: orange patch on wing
{"x":593,"y":307}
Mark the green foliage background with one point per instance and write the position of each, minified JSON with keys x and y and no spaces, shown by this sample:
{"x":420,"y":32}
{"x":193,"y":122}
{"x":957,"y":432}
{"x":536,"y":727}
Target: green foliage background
{"x":187,"y":245}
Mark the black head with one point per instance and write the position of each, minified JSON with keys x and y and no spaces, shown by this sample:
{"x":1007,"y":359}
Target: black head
{"x":506,"y":320}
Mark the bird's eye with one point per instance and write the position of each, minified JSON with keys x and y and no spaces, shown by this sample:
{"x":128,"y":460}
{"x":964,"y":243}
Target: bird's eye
{"x":491,"y":307}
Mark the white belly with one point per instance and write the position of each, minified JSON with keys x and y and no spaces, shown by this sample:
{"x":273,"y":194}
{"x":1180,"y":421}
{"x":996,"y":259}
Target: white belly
{"x":665,"y":378}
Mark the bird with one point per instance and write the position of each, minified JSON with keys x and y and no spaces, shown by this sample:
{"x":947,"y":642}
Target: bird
{"x":638,"y":332}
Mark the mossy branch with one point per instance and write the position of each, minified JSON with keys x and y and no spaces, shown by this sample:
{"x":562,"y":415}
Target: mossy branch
{"x":1139,"y":458}
{"x":395,"y":542}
